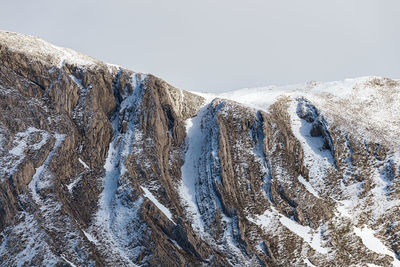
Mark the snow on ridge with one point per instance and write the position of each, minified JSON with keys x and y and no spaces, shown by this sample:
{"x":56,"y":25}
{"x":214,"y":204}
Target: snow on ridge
{"x":113,"y":67}
{"x":260,"y":97}
{"x":263,"y":97}
{"x":44,"y":51}
{"x":368,"y":106}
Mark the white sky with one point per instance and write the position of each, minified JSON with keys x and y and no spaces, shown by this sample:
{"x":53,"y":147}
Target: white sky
{"x":218,"y":45}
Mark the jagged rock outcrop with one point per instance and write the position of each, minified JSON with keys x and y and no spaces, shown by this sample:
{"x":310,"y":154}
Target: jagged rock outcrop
{"x":103,"y":166}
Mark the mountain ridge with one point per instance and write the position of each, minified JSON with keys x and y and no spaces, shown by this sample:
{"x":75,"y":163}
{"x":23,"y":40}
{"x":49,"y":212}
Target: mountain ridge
{"x":101,"y":165}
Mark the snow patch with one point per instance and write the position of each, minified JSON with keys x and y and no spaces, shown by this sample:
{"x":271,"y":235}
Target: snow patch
{"x":36,"y":182}
{"x":308,"y":263}
{"x":21,"y":141}
{"x":374,"y":244}
{"x":160,"y":206}
{"x":264,"y":220}
{"x":312,"y":237}
{"x":67,"y":261}
{"x":73,"y":184}
{"x":308,"y":186}
{"x":33,"y":243}
{"x":90,"y":237}
{"x":84,"y":164}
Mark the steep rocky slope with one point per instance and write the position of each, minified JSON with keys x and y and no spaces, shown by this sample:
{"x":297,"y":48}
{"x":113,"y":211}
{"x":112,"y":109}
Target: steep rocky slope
{"x":103,"y":166}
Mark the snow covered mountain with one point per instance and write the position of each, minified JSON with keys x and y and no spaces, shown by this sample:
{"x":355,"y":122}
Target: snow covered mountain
{"x":103,"y":166}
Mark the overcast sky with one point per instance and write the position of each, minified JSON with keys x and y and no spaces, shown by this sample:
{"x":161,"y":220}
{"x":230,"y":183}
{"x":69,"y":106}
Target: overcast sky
{"x":219,"y":45}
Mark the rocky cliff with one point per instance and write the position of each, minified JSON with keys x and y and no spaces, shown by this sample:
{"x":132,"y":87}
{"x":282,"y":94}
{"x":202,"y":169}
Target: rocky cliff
{"x":103,"y":166}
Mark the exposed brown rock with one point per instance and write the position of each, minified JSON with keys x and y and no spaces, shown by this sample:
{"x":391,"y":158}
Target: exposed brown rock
{"x":91,"y":159}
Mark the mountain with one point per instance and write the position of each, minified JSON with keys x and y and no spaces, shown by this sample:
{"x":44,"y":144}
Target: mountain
{"x":103,"y":166}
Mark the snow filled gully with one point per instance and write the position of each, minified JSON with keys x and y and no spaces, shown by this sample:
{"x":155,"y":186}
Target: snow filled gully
{"x":317,"y":159}
{"x":187,"y":188}
{"x":118,"y":150}
{"x":108,"y":220}
{"x":198,"y":159}
{"x":199,"y":171}
{"x":38,"y":180}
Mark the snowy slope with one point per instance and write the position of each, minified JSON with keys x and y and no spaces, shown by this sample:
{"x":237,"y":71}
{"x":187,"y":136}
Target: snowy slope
{"x":44,"y":51}
{"x":368,"y":109}
{"x":370,"y":105}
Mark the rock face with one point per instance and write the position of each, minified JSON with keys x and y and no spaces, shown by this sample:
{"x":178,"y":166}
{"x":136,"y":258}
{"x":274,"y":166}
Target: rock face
{"x":103,"y":166}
